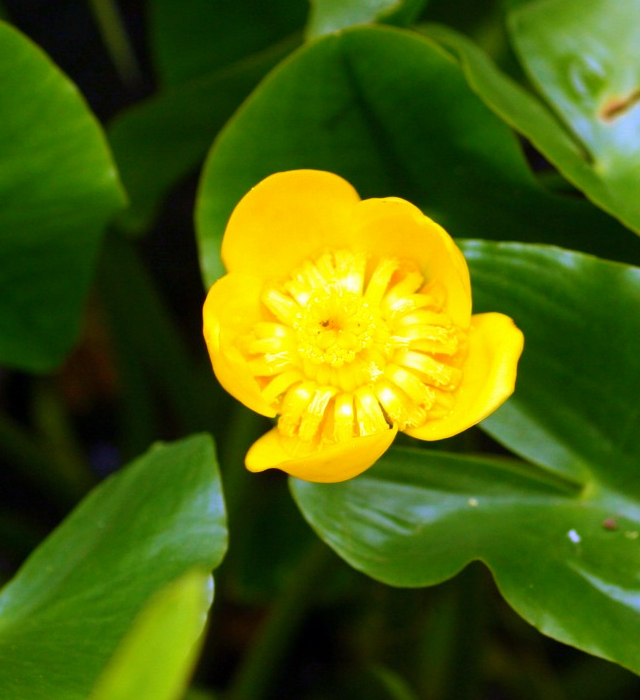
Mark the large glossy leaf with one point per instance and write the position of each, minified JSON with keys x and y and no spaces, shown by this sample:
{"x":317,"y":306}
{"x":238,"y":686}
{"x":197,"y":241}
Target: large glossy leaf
{"x":68,"y":608}
{"x":418,"y":517}
{"x":524,"y":111}
{"x":58,"y":189}
{"x":582,"y":57}
{"x":532,"y":118}
{"x":562,"y":534}
{"x":393,"y":114}
{"x":576,"y":408}
{"x":160,"y":140}
{"x":156,"y":658}
{"x":195,"y":38}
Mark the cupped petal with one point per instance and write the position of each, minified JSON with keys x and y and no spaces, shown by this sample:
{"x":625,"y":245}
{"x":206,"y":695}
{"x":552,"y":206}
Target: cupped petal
{"x":286,"y":218}
{"x":232,"y":308}
{"x":393,"y":227}
{"x":324,"y":465}
{"x":489,"y":375}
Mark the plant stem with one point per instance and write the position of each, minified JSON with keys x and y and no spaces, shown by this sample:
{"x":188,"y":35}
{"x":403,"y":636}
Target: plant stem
{"x":263,"y":659}
{"x":116,"y":41}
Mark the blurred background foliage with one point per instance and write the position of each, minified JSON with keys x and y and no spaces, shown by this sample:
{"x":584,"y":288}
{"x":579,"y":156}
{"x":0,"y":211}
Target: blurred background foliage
{"x":505,"y":121}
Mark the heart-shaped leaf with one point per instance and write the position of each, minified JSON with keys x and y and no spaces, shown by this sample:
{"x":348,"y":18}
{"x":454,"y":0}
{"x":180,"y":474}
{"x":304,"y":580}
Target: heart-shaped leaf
{"x":561,"y":535}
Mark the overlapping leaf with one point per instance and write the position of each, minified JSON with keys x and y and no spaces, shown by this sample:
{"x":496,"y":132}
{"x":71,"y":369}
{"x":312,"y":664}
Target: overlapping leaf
{"x":562,"y":538}
{"x":58,"y":189}
{"x":393,"y":114}
{"x":68,"y":608}
{"x":156,"y":658}
{"x":581,"y":58}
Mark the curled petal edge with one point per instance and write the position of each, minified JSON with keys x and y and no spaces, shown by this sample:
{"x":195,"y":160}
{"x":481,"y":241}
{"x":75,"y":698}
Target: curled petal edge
{"x":495,"y":346}
{"x":323,"y":465}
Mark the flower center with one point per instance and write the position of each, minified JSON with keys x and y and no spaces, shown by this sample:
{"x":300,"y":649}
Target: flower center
{"x":354,"y":346}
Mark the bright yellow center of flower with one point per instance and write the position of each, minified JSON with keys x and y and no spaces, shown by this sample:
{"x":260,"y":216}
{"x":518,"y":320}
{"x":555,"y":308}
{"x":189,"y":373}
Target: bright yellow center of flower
{"x":355,"y":346}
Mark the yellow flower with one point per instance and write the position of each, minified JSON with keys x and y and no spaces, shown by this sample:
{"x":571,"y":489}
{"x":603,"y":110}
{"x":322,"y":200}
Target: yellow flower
{"x":350,"y":320}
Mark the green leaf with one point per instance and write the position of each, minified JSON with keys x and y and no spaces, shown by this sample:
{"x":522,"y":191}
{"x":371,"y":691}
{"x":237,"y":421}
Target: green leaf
{"x":76,"y":596}
{"x":581,"y":57}
{"x":528,"y":115}
{"x":561,"y":534}
{"x":419,"y":516}
{"x":195,"y":38}
{"x":329,"y":16}
{"x":393,"y":114}
{"x":156,"y":658}
{"x":160,"y":140}
{"x":58,"y":189}
{"x":575,"y":409}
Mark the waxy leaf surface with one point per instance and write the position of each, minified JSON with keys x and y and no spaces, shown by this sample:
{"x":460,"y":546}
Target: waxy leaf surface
{"x":586,"y":120}
{"x":390,"y":112}
{"x":561,"y":534}
{"x":69,"y":607}
{"x":58,"y":189}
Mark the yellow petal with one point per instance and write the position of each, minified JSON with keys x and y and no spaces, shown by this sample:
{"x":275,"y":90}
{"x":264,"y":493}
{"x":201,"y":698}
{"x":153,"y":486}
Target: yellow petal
{"x":489,"y":375}
{"x":325,"y":465}
{"x":231,"y":309}
{"x":285,"y":219}
{"x":394,"y":228}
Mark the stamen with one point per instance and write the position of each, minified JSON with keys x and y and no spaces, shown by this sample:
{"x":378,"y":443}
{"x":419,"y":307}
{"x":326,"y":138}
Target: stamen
{"x":369,"y":415}
{"x":354,"y":350}
{"x":283,"y":307}
{"x":279,"y":384}
{"x":294,"y":405}
{"x":431,"y":371}
{"x":419,"y":392}
{"x":270,"y":364}
{"x":403,"y":413}
{"x":380,"y":280}
{"x":314,"y":413}
{"x":343,"y":417}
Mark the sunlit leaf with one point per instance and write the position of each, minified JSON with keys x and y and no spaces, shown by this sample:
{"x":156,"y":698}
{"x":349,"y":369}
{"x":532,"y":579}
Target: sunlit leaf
{"x":581,"y":56}
{"x":390,"y":112}
{"x":561,"y":534}
{"x":58,"y":189}
{"x":155,"y":659}
{"x":69,"y":607}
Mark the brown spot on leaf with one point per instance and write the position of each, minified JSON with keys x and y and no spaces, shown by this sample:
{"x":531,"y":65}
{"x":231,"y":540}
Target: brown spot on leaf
{"x":617,"y":106}
{"x":609,"y":524}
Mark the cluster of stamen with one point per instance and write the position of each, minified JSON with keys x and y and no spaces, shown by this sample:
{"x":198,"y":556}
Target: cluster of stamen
{"x":354,"y":346}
